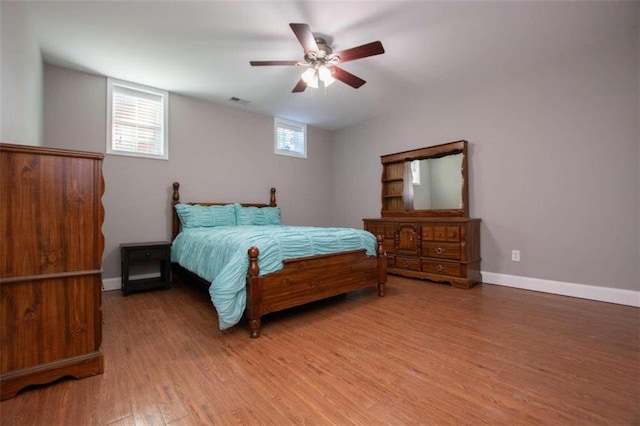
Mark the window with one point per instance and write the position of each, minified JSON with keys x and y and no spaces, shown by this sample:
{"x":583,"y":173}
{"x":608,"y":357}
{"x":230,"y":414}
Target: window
{"x":137,"y":118}
{"x":415,"y":172}
{"x":290,"y":138}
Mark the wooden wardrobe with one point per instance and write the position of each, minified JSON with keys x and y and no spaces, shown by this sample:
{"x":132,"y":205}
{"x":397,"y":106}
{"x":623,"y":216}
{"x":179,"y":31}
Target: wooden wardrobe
{"x":51,"y":249}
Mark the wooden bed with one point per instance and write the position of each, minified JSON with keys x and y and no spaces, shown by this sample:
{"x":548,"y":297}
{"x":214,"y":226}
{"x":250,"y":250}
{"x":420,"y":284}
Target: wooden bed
{"x":302,"y":280}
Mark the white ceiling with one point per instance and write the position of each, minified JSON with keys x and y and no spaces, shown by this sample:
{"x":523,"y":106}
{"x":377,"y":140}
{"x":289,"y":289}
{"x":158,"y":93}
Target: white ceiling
{"x":202,"y":49}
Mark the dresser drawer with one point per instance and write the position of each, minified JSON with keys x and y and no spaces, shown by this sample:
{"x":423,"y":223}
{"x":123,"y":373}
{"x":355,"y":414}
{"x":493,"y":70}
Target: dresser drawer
{"x":441,"y":250}
{"x":389,"y":246}
{"x":442,"y":268}
{"x":388,"y":231}
{"x":441,"y":233}
{"x":159,"y":253}
{"x":391,"y":261}
{"x":374,"y":229}
{"x":407,"y":263}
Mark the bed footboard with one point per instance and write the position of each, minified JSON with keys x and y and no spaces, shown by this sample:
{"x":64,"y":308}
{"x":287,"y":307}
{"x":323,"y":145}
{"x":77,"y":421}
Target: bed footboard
{"x":307,"y":279}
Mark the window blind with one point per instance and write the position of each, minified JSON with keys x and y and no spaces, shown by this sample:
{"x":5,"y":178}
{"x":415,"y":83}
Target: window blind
{"x":137,"y":120}
{"x":290,"y":138}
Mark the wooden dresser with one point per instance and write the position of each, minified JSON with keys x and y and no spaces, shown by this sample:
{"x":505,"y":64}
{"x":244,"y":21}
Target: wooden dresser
{"x":425,"y":215}
{"x":437,"y":249}
{"x":51,"y":249}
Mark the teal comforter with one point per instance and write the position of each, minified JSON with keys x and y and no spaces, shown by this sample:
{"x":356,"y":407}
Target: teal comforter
{"x":219,"y":255}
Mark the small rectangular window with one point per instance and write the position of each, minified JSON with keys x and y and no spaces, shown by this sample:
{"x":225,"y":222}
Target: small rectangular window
{"x":415,"y":172}
{"x":290,"y":138}
{"x":137,"y":118}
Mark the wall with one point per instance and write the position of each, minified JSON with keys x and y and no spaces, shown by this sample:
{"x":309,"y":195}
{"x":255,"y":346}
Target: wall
{"x":553,"y":165}
{"x":20,"y":77}
{"x":217,"y":153}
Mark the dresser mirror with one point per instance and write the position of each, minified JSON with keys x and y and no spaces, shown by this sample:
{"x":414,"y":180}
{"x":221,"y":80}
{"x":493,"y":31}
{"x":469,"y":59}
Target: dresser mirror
{"x":425,"y":221}
{"x":426,"y":182}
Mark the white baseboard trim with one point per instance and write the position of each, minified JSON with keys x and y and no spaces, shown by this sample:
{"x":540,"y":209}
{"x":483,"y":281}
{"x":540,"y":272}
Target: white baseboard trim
{"x":591,"y":292}
{"x":601,"y":294}
{"x":110,"y":284}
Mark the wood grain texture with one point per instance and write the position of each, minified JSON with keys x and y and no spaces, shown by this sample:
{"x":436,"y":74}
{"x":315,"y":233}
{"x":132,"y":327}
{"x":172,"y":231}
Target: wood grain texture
{"x":51,"y":218}
{"x":440,"y":249}
{"x":48,"y":199}
{"x":313,"y":278}
{"x":426,"y":354}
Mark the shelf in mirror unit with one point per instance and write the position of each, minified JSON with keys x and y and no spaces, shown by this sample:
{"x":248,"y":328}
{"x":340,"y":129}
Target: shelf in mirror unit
{"x":393,"y":172}
{"x":395,"y":203}
{"x":392,"y":188}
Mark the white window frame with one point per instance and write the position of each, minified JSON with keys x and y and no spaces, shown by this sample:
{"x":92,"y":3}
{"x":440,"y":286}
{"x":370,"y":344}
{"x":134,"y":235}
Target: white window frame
{"x":291,"y":125}
{"x":163,"y":94}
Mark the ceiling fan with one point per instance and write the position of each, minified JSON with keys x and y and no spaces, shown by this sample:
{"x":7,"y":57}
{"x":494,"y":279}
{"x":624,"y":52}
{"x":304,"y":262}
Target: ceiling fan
{"x":322,"y":62}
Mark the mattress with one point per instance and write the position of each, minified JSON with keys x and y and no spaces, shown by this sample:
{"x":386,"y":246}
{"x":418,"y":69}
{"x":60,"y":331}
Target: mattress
{"x":219,"y":255}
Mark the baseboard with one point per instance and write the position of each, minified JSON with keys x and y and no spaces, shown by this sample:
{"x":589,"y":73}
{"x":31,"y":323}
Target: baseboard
{"x":601,"y":294}
{"x":591,"y":292}
{"x":110,"y":284}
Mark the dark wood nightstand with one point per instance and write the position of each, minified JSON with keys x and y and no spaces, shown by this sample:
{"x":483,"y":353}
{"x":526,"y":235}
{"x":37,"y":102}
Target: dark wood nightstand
{"x":145,"y":255}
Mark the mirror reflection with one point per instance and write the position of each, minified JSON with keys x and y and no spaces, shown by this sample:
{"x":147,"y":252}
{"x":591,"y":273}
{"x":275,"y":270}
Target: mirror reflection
{"x":426,"y":182}
{"x":436,"y":183}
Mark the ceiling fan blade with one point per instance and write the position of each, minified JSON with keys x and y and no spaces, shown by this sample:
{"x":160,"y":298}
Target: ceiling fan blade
{"x":305,"y":37}
{"x":347,"y":77}
{"x":369,"y":49}
{"x":264,"y":63}
{"x":299,"y":87}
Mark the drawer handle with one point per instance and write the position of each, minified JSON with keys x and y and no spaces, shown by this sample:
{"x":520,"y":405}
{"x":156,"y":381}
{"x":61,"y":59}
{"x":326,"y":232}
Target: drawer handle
{"x":439,"y":250}
{"x":439,"y":268}
{"x":405,"y":263}
{"x":148,"y":254}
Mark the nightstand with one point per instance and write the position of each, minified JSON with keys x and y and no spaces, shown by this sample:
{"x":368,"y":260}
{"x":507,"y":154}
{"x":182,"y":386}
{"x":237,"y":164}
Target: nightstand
{"x":145,"y":257}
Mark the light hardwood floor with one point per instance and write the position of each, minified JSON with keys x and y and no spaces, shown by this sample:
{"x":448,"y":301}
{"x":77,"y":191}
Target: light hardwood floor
{"x":424,"y":354}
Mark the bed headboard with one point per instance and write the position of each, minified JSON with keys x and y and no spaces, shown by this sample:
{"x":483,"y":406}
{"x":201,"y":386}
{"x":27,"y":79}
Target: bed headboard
{"x":175,"y":199}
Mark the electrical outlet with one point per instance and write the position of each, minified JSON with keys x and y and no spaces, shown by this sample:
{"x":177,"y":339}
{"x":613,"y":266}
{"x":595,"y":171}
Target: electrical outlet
{"x":515,"y":255}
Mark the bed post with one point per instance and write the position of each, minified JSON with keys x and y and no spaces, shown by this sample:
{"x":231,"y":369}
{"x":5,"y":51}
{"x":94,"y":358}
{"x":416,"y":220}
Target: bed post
{"x":272,"y":200}
{"x":382,"y":267}
{"x":175,"y":222}
{"x":254,"y":292}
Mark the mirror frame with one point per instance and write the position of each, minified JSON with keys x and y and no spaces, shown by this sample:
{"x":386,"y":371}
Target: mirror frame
{"x":436,"y":151}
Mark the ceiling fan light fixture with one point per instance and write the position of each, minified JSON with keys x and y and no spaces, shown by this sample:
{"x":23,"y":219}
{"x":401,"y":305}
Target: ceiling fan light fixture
{"x":310,"y":77}
{"x":323,"y":62}
{"x":325,"y":75}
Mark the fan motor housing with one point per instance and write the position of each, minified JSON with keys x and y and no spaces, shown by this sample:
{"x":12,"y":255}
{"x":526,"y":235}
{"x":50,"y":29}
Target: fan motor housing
{"x":323,"y":51}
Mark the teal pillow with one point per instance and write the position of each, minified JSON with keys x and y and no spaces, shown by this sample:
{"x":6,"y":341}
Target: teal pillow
{"x":194,"y":216}
{"x":257,"y":215}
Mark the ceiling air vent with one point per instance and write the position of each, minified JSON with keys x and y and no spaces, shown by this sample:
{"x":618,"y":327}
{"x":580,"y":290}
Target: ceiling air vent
{"x":238,"y":101}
